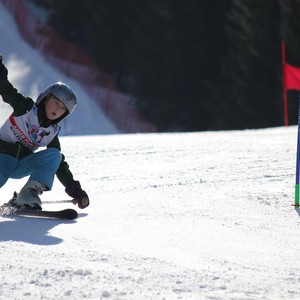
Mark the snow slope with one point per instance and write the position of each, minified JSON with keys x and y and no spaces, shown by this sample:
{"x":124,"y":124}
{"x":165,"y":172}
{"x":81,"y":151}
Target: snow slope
{"x":172,"y":216}
{"x":30,"y":74}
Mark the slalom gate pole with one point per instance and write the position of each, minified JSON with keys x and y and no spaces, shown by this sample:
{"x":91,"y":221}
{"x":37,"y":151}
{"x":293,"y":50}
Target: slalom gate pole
{"x":297,"y":160}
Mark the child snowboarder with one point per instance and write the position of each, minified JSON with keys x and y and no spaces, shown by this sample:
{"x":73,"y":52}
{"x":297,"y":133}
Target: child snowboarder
{"x":30,"y":126}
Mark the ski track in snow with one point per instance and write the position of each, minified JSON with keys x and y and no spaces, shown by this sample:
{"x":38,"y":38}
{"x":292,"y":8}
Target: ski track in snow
{"x":172,"y":216}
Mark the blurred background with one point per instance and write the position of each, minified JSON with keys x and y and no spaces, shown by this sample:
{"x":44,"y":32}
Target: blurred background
{"x":179,"y":65}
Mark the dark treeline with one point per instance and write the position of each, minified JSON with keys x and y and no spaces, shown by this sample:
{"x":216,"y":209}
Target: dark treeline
{"x":190,"y":65}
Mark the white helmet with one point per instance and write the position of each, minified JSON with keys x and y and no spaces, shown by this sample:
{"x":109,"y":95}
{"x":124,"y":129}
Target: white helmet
{"x":62,"y":92}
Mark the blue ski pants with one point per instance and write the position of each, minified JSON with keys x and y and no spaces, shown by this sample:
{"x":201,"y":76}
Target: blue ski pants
{"x":40,"y":166}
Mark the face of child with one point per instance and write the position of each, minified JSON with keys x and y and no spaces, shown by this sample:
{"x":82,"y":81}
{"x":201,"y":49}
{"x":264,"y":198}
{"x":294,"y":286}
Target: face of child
{"x":54,"y":108}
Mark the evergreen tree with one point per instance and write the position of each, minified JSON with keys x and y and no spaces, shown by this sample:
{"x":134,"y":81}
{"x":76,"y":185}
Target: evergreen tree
{"x":251,"y":67}
{"x":193,"y":65}
{"x":176,"y":59}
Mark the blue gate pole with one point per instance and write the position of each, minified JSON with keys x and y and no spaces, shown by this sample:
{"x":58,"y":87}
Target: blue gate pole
{"x":297,"y":160}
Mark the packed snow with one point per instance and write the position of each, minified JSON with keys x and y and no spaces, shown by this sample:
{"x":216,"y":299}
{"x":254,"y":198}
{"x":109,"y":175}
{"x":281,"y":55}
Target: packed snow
{"x":172,"y":216}
{"x":203,"y":215}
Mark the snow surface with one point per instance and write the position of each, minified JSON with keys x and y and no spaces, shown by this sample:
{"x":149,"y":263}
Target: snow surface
{"x":172,"y":216}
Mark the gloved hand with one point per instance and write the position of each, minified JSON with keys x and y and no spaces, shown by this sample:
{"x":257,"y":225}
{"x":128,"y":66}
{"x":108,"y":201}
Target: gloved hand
{"x":74,"y":190}
{"x":3,"y":70}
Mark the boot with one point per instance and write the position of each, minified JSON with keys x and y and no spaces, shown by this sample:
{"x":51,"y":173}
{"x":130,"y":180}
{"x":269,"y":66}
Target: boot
{"x":29,"y":195}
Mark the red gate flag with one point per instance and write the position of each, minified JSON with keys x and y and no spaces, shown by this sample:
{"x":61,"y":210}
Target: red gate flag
{"x":292,"y":77}
{"x":291,"y":81}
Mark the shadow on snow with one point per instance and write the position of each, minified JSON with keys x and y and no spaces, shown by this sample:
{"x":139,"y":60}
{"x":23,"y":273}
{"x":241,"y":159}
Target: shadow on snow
{"x":30,"y":230}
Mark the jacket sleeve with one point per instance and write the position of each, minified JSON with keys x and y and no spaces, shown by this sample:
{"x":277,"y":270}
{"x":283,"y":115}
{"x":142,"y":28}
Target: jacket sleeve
{"x":17,"y":101}
{"x":63,"y":173}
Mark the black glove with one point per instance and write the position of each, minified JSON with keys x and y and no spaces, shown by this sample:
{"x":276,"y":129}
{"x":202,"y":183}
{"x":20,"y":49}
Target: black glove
{"x":3,"y":70}
{"x":74,"y":190}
